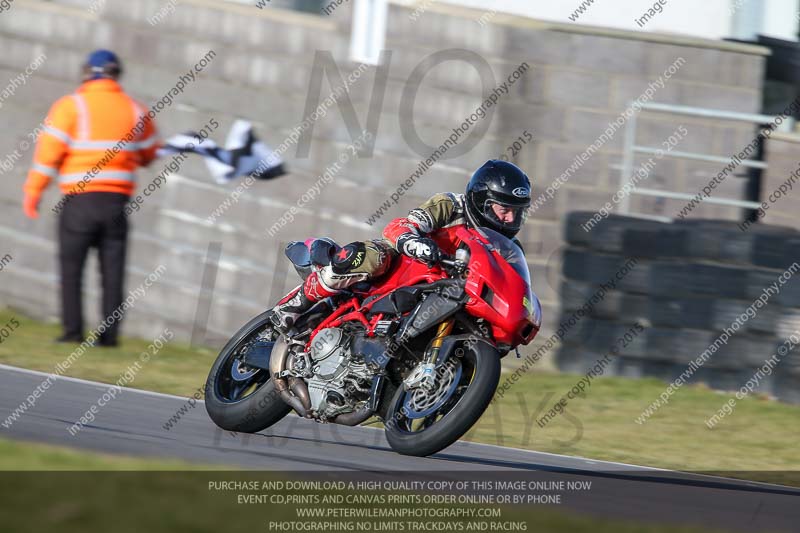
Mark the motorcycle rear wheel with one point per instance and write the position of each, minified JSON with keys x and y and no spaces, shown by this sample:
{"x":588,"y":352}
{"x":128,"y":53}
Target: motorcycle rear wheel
{"x":239,"y":398}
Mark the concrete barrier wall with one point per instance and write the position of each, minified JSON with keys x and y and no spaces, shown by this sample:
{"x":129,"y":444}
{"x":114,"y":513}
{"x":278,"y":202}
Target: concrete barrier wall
{"x":579,"y":80}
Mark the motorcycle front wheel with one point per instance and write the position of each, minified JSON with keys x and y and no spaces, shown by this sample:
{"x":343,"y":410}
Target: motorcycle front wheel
{"x":422,"y":422}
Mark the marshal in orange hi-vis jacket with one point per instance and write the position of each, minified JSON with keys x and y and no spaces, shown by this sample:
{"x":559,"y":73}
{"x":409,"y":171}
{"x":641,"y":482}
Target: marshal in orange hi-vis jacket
{"x":93,"y":141}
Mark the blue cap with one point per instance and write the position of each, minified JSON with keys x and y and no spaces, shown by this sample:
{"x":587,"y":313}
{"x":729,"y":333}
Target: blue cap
{"x":99,"y":62}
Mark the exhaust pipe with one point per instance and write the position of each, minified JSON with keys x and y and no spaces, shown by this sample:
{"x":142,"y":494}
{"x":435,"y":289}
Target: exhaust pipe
{"x":277,"y":361}
{"x":294,"y":403}
{"x":300,"y":389}
{"x":354,"y":418}
{"x":277,"y":364}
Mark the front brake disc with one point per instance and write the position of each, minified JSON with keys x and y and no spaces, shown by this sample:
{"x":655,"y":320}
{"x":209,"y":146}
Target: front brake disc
{"x":420,"y":403}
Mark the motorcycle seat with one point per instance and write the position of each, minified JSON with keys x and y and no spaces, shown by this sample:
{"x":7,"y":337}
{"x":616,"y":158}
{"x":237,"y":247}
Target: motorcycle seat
{"x":300,"y":257}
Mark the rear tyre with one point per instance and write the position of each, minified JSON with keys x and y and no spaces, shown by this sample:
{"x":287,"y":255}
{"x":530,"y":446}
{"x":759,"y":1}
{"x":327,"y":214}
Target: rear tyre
{"x":241,"y":398}
{"x":473,"y":376}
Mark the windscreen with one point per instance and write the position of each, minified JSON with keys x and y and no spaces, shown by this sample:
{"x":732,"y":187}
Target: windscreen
{"x":510,"y":252}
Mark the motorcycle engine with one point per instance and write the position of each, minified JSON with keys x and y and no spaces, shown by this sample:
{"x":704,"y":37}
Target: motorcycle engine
{"x":339,"y":379}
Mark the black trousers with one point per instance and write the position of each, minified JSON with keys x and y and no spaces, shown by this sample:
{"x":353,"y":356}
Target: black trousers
{"x":93,"y":219}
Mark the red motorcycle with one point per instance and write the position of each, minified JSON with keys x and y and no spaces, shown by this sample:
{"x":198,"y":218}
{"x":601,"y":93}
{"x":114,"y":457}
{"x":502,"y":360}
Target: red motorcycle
{"x":419,"y":347}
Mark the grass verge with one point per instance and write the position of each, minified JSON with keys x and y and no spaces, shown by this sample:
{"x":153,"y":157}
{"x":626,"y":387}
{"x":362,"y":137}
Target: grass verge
{"x":27,"y":456}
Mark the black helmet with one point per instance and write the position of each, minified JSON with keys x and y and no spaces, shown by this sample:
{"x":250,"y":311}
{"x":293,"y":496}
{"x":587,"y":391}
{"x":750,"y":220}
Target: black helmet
{"x":498,"y":196}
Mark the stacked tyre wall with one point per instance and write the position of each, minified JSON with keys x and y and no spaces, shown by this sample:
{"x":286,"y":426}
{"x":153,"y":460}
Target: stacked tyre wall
{"x":661,"y":294}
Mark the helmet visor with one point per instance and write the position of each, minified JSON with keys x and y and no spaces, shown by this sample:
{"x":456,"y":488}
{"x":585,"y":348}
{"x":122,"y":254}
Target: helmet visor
{"x":505,"y":215}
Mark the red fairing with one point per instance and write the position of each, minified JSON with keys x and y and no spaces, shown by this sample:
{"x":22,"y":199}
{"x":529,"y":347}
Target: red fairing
{"x":405,"y":272}
{"x":500,"y":295}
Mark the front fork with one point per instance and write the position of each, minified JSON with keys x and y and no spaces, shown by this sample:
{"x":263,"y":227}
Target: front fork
{"x":424,"y":375}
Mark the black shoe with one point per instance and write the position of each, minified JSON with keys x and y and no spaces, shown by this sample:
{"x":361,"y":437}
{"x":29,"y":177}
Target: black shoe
{"x":70,"y":339}
{"x":107,"y":343}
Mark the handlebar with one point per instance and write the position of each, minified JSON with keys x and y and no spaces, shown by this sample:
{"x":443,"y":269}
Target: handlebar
{"x":447,"y":260}
{"x":450,"y":263}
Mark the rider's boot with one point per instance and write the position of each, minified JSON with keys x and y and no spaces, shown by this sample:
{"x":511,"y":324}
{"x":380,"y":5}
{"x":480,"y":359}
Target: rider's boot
{"x":300,"y":300}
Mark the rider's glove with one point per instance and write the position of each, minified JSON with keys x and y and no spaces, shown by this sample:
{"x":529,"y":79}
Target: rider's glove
{"x":421,"y":248}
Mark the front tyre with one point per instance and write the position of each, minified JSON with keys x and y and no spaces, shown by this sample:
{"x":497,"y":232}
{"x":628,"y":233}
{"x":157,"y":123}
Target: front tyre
{"x":421,"y":423}
{"x":238,"y":397}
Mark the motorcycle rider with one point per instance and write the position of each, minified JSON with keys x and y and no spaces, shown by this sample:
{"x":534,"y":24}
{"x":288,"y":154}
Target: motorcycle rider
{"x":497,"y":197}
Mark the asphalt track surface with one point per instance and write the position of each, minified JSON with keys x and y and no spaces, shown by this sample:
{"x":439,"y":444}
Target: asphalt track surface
{"x":132,"y":424}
